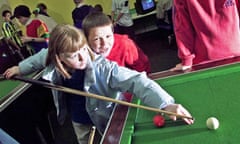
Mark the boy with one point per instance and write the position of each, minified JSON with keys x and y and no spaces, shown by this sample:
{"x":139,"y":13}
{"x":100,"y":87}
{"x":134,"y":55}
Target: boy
{"x":115,"y":47}
{"x":9,"y":30}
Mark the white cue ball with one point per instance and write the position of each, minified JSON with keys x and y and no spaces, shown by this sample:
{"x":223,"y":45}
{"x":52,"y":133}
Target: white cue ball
{"x":212,"y":123}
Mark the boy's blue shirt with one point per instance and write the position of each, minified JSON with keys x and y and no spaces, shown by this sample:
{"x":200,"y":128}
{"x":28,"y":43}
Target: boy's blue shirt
{"x":104,"y":78}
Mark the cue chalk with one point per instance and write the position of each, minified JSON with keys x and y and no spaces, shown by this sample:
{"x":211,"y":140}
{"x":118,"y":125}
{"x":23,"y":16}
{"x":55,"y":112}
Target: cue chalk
{"x":92,"y":95}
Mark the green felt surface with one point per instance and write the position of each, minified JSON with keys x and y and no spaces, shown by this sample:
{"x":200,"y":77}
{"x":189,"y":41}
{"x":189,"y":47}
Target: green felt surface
{"x":212,"y":92}
{"x":7,"y":86}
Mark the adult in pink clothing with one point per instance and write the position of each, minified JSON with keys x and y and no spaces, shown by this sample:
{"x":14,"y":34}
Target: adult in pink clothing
{"x":98,"y":29}
{"x":206,"y":30}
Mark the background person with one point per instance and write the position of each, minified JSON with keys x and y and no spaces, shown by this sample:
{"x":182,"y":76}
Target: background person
{"x":9,"y":30}
{"x":121,"y":18}
{"x":205,"y":31}
{"x":79,"y":12}
{"x":49,"y":21}
{"x":37,"y":34}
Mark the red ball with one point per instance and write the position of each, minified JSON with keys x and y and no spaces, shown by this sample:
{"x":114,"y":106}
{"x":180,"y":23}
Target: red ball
{"x":158,"y":121}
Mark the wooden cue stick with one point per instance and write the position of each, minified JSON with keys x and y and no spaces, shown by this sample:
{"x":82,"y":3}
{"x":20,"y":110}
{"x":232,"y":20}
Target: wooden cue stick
{"x":91,"y":95}
{"x":92,"y":134}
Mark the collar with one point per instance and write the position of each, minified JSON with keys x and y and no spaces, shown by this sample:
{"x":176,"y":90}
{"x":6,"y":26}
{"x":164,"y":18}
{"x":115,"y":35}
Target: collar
{"x":29,"y":21}
{"x":79,"y":5}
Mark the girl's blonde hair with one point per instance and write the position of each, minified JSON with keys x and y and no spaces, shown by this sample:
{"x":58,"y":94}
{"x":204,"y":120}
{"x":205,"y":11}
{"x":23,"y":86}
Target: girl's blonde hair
{"x":65,"y":38}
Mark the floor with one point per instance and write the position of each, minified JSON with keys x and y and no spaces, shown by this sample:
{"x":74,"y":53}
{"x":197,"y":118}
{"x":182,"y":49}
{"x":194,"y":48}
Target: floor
{"x":162,"y":55}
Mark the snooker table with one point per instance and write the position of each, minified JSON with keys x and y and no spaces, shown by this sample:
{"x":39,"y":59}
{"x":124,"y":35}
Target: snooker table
{"x":24,"y":108}
{"x":24,"y":111}
{"x":11,"y":90}
{"x":207,"y":90}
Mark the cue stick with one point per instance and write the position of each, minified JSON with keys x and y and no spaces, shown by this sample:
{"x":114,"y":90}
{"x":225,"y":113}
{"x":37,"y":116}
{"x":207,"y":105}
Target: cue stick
{"x":92,"y":134}
{"x":91,"y":95}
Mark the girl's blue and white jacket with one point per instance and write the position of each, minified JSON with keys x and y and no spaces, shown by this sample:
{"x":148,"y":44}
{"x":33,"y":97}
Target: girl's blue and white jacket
{"x":102,"y":77}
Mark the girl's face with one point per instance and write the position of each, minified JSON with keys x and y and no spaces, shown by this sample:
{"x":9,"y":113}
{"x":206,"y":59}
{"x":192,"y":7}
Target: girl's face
{"x":77,"y":59}
{"x":101,"y":40}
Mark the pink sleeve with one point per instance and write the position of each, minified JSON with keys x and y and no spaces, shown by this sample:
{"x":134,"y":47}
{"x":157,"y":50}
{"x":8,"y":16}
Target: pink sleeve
{"x":184,"y":32}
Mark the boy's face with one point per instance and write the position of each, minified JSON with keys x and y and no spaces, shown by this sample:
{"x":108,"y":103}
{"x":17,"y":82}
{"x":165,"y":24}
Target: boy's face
{"x":75,"y":60}
{"x":101,"y":40}
{"x":7,"y":17}
{"x":22,"y":20}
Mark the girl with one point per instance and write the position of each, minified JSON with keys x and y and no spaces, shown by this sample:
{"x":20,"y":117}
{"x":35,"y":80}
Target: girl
{"x":70,"y":62}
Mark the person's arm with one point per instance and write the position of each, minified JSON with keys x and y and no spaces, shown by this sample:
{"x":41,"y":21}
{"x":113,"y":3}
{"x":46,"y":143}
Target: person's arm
{"x":124,"y":9}
{"x":5,"y":30}
{"x":29,"y":65}
{"x":113,"y":11}
{"x":6,"y":138}
{"x":151,"y":93}
{"x":34,"y":63}
{"x":184,"y":32}
{"x":162,"y":7}
{"x":118,"y":18}
{"x":160,"y":10}
{"x":112,"y":16}
{"x":26,"y":39}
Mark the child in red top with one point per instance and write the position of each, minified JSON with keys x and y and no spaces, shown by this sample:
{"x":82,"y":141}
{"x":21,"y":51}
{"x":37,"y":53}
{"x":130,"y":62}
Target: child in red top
{"x":126,"y":53}
{"x":115,"y":47}
{"x":206,"y":30}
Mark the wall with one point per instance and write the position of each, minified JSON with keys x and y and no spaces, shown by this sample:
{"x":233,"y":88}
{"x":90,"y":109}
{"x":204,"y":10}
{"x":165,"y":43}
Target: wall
{"x":61,"y":10}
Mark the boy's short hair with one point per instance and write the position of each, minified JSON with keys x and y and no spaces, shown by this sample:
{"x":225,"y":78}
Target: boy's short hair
{"x":21,"y":10}
{"x":4,"y":13}
{"x":95,"y":19}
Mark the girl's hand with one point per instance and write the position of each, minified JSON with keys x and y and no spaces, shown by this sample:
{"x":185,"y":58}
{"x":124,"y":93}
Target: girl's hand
{"x":179,"y":109}
{"x":10,"y":72}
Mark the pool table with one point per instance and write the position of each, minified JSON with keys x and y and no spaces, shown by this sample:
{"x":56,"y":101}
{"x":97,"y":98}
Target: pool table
{"x":207,"y":90}
{"x":24,"y":110}
{"x":11,"y":90}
